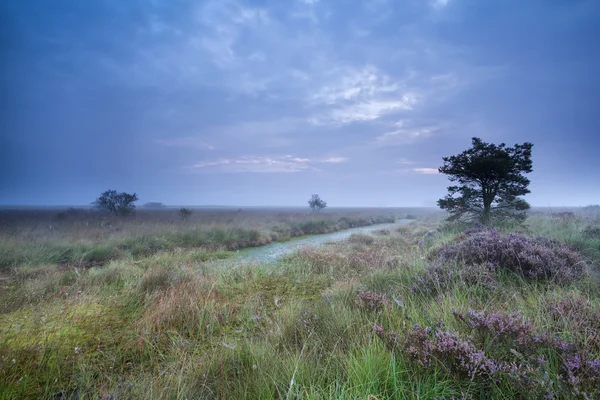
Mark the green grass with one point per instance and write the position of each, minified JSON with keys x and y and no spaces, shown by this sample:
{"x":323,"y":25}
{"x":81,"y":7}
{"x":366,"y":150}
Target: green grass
{"x":92,"y":239}
{"x":174,"y":323}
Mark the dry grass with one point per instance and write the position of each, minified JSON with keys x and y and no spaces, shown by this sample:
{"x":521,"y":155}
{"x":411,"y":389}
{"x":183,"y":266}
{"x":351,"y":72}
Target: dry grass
{"x":177,"y":324}
{"x":89,"y":238}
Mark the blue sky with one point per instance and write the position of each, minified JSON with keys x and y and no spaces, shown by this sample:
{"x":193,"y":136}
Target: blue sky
{"x":264,"y":102}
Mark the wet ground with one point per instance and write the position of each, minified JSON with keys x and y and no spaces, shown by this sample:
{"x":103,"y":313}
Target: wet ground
{"x":271,"y":252}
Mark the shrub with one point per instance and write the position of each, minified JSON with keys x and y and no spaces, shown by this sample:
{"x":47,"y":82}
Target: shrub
{"x":313,"y":227}
{"x":361,"y":238}
{"x":185,"y":213}
{"x":579,"y":315}
{"x":116,"y":203}
{"x":535,"y":258}
{"x":501,"y":347}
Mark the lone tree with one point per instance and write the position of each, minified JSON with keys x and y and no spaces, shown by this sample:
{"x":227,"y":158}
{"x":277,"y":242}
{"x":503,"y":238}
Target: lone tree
{"x":316,"y":204}
{"x":116,"y":203}
{"x":491,"y":180}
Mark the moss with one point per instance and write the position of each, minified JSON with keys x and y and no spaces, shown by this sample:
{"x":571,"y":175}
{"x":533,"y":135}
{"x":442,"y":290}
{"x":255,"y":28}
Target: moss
{"x":48,"y":344}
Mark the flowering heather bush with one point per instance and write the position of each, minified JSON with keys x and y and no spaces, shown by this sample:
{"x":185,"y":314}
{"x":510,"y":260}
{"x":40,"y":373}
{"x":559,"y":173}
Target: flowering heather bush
{"x":433,"y":347}
{"x":535,"y":258}
{"x":582,"y":319}
{"x":511,"y":331}
{"x":501,"y":347}
{"x":581,"y":372}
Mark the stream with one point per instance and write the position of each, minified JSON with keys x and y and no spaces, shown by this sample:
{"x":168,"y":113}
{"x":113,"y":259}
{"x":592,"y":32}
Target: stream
{"x":273,"y":251}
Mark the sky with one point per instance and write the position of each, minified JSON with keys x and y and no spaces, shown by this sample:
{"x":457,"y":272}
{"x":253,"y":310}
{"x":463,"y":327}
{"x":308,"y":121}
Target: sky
{"x":264,"y":102}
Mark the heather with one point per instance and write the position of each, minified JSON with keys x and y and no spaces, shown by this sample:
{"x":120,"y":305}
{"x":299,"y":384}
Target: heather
{"x":422,"y":311}
{"x":533,"y":257}
{"x":499,"y":349}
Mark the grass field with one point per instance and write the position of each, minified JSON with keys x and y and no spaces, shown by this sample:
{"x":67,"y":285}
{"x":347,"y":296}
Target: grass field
{"x":424,"y":311}
{"x":88,"y":238}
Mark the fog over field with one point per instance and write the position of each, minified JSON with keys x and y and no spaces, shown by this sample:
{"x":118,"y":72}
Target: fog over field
{"x":260,"y":103}
{"x":299,"y":199}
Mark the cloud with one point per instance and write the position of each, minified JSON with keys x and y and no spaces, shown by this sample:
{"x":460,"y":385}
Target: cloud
{"x":276,"y":164}
{"x":280,"y":77}
{"x":405,"y":135}
{"x":426,"y":171}
{"x":355,"y":84}
{"x":404,"y":161}
{"x":335,"y":160}
{"x":361,"y":94}
{"x":264,"y":164}
{"x":367,"y":111}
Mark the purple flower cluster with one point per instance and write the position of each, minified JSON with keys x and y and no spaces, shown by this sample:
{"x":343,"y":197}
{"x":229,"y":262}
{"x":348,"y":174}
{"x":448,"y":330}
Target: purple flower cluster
{"x":535,"y":258}
{"x":501,"y":347}
{"x":582,"y":374}
{"x":581,"y":317}
{"x":436,"y":346}
{"x":391,"y":339}
{"x":510,"y":330}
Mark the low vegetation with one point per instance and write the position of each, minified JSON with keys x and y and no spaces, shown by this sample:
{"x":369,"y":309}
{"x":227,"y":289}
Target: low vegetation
{"x":89,"y":238}
{"x":426,"y":311}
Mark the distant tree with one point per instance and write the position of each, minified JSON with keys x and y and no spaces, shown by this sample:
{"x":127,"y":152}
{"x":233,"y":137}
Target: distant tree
{"x":185,"y":213}
{"x":316,"y":204}
{"x":154,"y":205}
{"x":116,"y":203}
{"x":491,"y":180}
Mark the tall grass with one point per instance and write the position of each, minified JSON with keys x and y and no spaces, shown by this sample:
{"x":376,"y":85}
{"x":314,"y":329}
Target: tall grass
{"x":175,"y":324}
{"x":87,"y":238}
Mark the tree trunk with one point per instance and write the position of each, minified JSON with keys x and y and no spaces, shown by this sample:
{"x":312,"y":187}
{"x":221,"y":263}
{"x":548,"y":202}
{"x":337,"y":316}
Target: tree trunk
{"x":487,"y":209}
{"x":488,"y":198}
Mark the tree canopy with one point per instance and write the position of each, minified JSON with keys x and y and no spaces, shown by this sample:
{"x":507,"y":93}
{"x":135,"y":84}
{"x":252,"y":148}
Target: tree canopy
{"x":316,"y":204}
{"x":116,"y":203}
{"x":491,"y":180}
